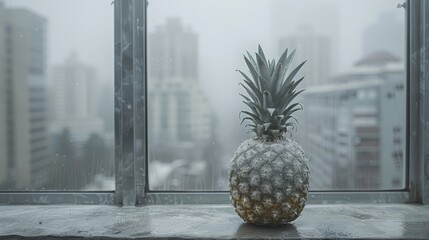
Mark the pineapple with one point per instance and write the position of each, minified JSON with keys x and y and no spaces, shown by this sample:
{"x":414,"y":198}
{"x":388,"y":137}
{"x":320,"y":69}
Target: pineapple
{"x":268,"y":178}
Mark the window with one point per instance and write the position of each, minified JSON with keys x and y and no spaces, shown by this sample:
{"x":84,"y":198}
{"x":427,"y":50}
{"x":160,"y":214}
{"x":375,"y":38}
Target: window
{"x":170,"y":125}
{"x":56,"y":85}
{"x":356,"y":52}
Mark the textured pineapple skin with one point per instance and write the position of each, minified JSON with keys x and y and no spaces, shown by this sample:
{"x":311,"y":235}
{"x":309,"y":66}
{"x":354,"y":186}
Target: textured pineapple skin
{"x":268,"y":181}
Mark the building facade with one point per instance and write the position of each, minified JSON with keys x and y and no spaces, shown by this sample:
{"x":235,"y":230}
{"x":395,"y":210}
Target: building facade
{"x":180,"y":118}
{"x":173,"y":52}
{"x":179,"y":111}
{"x":350,"y":135}
{"x":74,"y":98}
{"x":23,"y":89}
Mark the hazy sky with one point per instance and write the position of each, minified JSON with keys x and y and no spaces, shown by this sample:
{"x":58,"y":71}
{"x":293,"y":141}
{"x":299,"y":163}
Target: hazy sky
{"x":85,"y":27}
{"x":225,"y":30}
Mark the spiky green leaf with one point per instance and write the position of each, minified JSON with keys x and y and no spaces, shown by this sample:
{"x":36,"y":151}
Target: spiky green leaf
{"x":294,"y":72}
{"x":246,"y":98}
{"x":253,"y":108}
{"x":247,"y":118}
{"x":287,"y":90}
{"x":267,"y":100}
{"x":263,"y":68}
{"x":262,"y":112}
{"x":275,"y":80}
{"x":254,"y":81}
{"x":252,"y":69}
{"x":271,"y":92}
{"x":286,"y":61}
{"x":255,"y":90}
{"x":250,"y":93}
{"x":253,"y":116}
{"x":252,"y":60}
{"x":261,"y":53}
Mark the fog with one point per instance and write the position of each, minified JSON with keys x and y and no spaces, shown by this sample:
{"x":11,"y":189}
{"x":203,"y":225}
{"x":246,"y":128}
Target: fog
{"x":84,"y":27}
{"x":226,"y":29}
{"x":331,"y":34}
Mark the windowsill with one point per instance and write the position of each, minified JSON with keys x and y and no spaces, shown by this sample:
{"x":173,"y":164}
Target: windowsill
{"x":399,"y":221}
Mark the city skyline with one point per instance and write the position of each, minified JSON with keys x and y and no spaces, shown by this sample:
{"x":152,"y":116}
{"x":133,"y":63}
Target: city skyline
{"x":218,"y":53}
{"x":180,"y":119}
{"x":51,"y":135}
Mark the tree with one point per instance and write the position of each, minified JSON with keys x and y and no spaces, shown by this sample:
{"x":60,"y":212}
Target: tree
{"x":64,"y":162}
{"x":96,"y":158}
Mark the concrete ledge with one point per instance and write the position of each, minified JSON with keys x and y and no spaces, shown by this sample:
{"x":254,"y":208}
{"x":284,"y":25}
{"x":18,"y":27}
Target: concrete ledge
{"x":397,"y":221}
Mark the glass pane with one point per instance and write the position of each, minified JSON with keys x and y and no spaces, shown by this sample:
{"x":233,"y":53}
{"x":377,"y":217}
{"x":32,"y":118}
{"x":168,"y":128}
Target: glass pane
{"x":56,"y":90}
{"x":353,"y":124}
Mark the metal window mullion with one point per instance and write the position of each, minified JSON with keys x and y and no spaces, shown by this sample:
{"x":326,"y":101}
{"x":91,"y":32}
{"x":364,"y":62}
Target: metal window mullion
{"x":140,"y":126}
{"x":424,"y":79}
{"x":118,"y":103}
{"x":418,"y":103}
{"x":129,"y":100}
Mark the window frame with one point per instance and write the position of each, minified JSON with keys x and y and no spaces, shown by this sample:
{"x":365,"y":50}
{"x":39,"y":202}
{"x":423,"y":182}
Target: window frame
{"x":131,"y":171}
{"x":409,"y":194}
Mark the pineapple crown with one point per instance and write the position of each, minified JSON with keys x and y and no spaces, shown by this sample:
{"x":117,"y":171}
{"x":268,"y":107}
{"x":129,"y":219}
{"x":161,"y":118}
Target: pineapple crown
{"x":270,"y":94}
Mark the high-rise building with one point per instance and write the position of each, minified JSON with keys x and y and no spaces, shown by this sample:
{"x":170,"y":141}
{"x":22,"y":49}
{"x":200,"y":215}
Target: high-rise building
{"x":178,"y":109}
{"x":386,"y":34}
{"x":174,"y":52}
{"x":74,"y":99}
{"x":350,"y":135}
{"x":179,"y":114}
{"x":23,"y":89}
{"x":313,"y":48}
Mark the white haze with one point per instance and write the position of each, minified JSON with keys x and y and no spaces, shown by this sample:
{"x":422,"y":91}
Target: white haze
{"x":225,"y":30}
